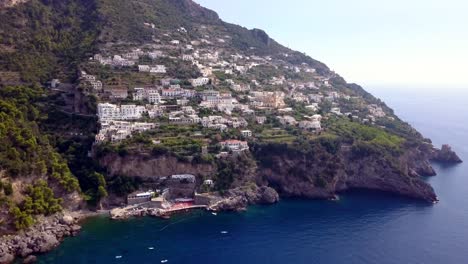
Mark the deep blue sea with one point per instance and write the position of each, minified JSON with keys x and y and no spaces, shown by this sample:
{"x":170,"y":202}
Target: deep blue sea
{"x":360,"y":228}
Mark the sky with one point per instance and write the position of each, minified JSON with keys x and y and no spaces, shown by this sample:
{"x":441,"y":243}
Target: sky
{"x":420,"y":43}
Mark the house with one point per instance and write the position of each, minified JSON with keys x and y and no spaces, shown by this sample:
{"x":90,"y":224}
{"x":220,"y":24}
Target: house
{"x":187,"y":57}
{"x":336,"y":111}
{"x":119,"y":130}
{"x":97,"y":85}
{"x":118,"y":94}
{"x":313,"y":107}
{"x":172,"y":93}
{"x":138,"y":94}
{"x":208,"y":182}
{"x":207,"y":94}
{"x":158,"y":69}
{"x":376,"y":110}
{"x":152,"y":95}
{"x":235,"y":145}
{"x":240,"y":87}
{"x":246,"y":133}
{"x":199,"y":81}
{"x":207,"y":71}
{"x":139,"y":198}
{"x":54,"y":83}
{"x":310,"y":125}
{"x":131,"y":111}
{"x":107,"y":111}
{"x":287,"y":120}
{"x":144,"y":68}
{"x":155,"y":54}
{"x":260,"y":119}
{"x":154,"y":111}
{"x":165,"y":82}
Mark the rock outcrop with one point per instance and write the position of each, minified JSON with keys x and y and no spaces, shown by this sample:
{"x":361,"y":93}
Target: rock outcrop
{"x":445,"y":155}
{"x":238,"y":199}
{"x":40,"y":238}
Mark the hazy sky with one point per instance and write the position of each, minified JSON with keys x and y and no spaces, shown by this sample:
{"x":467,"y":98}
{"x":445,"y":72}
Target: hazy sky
{"x":370,"y":42}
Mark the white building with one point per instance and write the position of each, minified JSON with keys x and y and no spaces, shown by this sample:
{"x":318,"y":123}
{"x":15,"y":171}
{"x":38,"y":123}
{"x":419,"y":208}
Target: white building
{"x":108,"y":112}
{"x":199,"y":81}
{"x":152,"y":95}
{"x":158,"y":69}
{"x":144,"y":68}
{"x":246,"y":133}
{"x":235,"y":145}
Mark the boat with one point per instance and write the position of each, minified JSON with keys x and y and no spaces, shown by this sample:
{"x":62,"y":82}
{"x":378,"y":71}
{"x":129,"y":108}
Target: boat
{"x":165,"y":216}
{"x":224,"y":232}
{"x":118,"y":257}
{"x":151,"y":248}
{"x":164,"y":261}
{"x":213,"y":213}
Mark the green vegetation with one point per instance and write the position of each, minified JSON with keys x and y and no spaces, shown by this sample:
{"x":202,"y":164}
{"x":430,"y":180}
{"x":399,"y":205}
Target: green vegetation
{"x":47,"y":39}
{"x":24,"y":150}
{"x":351,"y":132}
{"x":122,"y":185}
{"x":7,"y":188}
{"x":39,"y":200}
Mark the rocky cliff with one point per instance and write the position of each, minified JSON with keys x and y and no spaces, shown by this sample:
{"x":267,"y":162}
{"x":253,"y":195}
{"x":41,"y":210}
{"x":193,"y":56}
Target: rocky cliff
{"x":41,"y":238}
{"x":319,"y":174}
{"x":445,"y":155}
{"x":291,"y":172}
{"x":10,"y":3}
{"x":146,"y":166}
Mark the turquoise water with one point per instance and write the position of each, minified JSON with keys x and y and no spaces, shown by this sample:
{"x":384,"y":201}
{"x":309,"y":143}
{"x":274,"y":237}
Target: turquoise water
{"x":360,"y":228}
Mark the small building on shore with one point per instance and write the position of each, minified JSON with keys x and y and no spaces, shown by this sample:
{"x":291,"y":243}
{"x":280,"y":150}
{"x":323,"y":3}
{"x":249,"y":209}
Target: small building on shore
{"x":140,"y":197}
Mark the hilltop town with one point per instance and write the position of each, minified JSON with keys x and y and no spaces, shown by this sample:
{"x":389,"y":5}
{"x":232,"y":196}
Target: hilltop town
{"x":202,"y":84}
{"x":200,"y":99}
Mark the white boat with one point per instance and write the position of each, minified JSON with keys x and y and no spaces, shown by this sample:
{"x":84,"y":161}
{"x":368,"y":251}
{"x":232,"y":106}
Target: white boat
{"x":224,"y":232}
{"x":164,"y":261}
{"x":214,"y":213}
{"x":151,"y":248}
{"x":118,"y":257}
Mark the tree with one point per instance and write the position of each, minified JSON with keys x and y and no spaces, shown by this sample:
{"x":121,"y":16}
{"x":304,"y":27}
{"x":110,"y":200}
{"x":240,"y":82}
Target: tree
{"x":8,"y":189}
{"x":101,"y":193}
{"x":22,"y":220}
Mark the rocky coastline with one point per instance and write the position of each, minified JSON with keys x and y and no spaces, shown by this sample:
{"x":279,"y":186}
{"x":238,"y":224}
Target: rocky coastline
{"x":40,"y":238}
{"x":445,"y":155}
{"x":367,"y":173}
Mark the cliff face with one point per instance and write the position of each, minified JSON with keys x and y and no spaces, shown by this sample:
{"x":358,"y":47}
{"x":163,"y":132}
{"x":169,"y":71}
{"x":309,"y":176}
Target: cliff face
{"x":315,"y":174}
{"x":10,"y":3}
{"x":145,"y":166}
{"x":322,"y":176}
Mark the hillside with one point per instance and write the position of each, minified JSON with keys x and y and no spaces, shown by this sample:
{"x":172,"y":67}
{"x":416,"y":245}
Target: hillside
{"x":102,"y":98}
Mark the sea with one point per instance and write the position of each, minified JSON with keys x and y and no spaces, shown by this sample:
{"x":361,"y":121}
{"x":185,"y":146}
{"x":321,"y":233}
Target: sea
{"x":362,"y":227}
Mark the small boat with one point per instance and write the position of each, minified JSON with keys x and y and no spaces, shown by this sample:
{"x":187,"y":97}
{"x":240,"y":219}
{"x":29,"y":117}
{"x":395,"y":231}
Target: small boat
{"x":213,"y":213}
{"x":151,"y":248}
{"x":165,"y":216}
{"x":164,"y":261}
{"x":118,"y":257}
{"x":224,"y":232}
